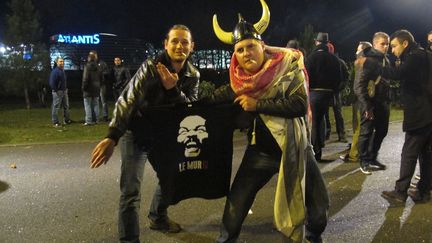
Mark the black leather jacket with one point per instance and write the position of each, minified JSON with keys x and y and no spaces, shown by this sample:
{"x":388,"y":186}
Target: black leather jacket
{"x":92,"y":80}
{"x":290,"y":105}
{"x":413,"y":74}
{"x":146,"y":90}
{"x":323,"y":69}
{"x":121,"y":77}
{"x":363,"y":76}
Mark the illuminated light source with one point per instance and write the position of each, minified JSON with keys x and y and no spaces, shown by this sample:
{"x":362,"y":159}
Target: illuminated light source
{"x":2,"y":50}
{"x":76,"y":39}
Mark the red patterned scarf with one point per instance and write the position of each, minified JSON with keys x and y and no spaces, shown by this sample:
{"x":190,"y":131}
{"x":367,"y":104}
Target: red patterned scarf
{"x":255,"y":85}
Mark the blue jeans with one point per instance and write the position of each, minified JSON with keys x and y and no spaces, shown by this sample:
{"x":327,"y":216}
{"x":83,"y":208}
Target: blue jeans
{"x":133,"y":161}
{"x":103,"y":100}
{"x":91,"y":108}
{"x":60,"y":100}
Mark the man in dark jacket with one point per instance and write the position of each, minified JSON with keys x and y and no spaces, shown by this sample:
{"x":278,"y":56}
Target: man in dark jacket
{"x":372,"y":92}
{"x":170,"y":79}
{"x":324,"y":77}
{"x":121,"y":77}
{"x":270,"y":85}
{"x":103,"y":85}
{"x":417,"y":123}
{"x":91,"y":82}
{"x":336,"y":102}
{"x":57,"y":82}
{"x":352,"y":155}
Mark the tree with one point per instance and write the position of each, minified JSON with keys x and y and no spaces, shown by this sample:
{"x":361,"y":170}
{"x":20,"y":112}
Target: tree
{"x":306,"y":38}
{"x":28,"y":58}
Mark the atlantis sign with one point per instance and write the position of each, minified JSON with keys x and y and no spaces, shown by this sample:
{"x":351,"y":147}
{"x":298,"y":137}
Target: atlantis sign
{"x":76,"y":39}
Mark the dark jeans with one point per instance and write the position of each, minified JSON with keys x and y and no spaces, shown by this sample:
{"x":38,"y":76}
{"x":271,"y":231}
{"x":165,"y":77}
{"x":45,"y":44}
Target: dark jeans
{"x":320,"y":101}
{"x":336,"y":103}
{"x":373,"y":132}
{"x":255,"y":171}
{"x":132,"y":171}
{"x":417,"y":145}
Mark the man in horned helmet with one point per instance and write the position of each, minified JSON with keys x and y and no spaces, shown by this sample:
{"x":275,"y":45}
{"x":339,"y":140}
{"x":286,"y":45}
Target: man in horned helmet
{"x":269,"y":84}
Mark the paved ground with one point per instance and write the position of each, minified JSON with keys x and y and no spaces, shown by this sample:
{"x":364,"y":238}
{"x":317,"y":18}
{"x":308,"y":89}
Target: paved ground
{"x":53,"y":196}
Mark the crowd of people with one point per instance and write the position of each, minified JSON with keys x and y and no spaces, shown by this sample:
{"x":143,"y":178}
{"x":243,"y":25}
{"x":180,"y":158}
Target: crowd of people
{"x":286,"y":94}
{"x":95,"y":79}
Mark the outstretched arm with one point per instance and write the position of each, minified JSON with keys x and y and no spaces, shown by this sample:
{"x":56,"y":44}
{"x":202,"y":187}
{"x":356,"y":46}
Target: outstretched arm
{"x":102,"y":152}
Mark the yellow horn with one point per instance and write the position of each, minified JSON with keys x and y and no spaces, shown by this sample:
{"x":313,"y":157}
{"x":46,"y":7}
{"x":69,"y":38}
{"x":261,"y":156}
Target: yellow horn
{"x":263,"y":23}
{"x":225,"y":37}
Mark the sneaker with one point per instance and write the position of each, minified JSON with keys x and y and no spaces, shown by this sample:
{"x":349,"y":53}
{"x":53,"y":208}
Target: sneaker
{"x":418,"y":196}
{"x":377,"y":165}
{"x":67,"y":122}
{"x":394,"y":196}
{"x":165,"y":225}
{"x":365,"y":169}
{"x":344,"y":157}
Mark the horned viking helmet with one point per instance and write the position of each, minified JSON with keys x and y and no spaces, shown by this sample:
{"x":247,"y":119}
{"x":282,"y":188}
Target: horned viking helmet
{"x":243,"y":30}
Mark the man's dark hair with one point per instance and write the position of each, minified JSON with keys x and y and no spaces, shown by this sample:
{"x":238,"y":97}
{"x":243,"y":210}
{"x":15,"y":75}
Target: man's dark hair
{"x":293,"y":44}
{"x":178,"y":27}
{"x":403,"y":35}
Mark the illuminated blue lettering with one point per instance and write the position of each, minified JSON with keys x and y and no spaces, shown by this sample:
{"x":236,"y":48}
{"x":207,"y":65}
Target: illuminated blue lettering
{"x":60,"y":39}
{"x":82,"y":39}
{"x":74,"y":40}
{"x":96,"y":39}
{"x":79,"y":39}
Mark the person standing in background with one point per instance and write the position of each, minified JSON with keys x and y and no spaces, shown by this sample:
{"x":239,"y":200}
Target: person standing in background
{"x":59,"y":89}
{"x":91,"y":82}
{"x":121,"y":77}
{"x":372,"y":92}
{"x":103,"y":67}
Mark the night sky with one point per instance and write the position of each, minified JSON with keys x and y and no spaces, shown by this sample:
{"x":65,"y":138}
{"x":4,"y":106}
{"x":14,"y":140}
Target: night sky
{"x":347,"y":21}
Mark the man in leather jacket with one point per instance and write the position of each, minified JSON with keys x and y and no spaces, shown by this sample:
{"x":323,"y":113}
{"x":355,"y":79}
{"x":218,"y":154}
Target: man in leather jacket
{"x":374,"y":105}
{"x":121,"y":77}
{"x":269,"y":84}
{"x":413,"y":73}
{"x":170,"y":79}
